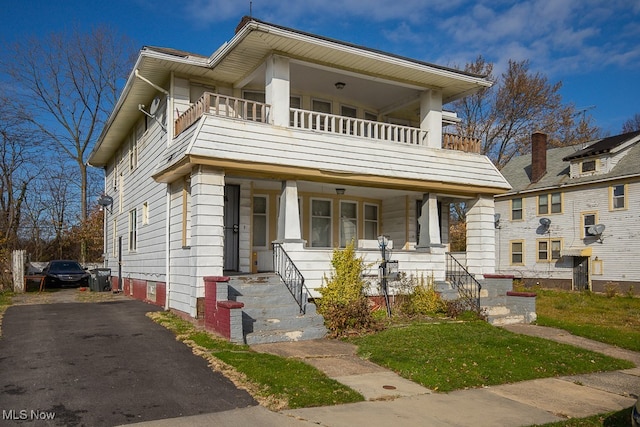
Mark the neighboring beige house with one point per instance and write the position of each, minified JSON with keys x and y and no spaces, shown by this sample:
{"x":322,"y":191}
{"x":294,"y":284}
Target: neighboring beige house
{"x":572,"y":218}
{"x":287,"y":137}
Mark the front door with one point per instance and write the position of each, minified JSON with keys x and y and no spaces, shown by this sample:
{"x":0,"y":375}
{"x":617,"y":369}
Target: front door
{"x":231,"y":227}
{"x":581,"y":273}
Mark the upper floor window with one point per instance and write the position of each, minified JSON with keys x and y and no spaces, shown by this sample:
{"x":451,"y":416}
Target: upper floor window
{"x":516,"y":209}
{"x":589,"y":219}
{"x":618,"y":196}
{"x":553,"y":199}
{"x":588,"y":166}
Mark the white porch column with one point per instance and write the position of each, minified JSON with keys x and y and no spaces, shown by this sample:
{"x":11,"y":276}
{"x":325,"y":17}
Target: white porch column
{"x":431,"y":117}
{"x":277,"y":89}
{"x":289,"y":214}
{"x":429,"y":223}
{"x":207,"y":227}
{"x":481,"y":236}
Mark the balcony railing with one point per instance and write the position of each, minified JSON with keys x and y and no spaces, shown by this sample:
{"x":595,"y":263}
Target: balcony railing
{"x":237,"y":108}
{"x":312,"y":120}
{"x":220,"y":105}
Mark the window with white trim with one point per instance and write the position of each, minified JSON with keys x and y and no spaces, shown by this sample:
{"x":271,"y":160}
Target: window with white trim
{"x":133,"y":230}
{"x":321,"y":223}
{"x":371,"y":222}
{"x":348,"y":222}
{"x":588,"y":221}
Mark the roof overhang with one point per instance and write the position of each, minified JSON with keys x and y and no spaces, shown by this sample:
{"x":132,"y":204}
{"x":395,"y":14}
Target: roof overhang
{"x":235,"y":61}
{"x":576,"y":251}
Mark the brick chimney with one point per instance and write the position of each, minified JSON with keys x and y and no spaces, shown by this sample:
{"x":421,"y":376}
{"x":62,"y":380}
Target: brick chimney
{"x":538,"y":156}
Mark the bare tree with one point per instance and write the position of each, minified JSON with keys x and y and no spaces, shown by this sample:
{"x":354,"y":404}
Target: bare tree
{"x":520,"y":102}
{"x":69,"y":84}
{"x":632,"y":124}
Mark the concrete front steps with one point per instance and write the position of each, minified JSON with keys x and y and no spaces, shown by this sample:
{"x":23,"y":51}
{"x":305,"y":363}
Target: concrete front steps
{"x":499,"y":303}
{"x":270,"y":313}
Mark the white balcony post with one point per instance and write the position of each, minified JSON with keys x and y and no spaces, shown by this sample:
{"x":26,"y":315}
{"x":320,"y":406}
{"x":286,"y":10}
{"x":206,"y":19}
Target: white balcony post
{"x":289,"y":214}
{"x":431,"y":117}
{"x":277,"y":89}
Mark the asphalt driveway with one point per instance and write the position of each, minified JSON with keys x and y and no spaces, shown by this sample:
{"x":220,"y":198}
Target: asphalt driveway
{"x":102,"y":364}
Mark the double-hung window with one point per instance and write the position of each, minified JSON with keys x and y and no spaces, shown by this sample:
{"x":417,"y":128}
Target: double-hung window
{"x":549,"y":203}
{"x":133,"y":230}
{"x":549,"y":250}
{"x":516,"y":209}
{"x":321,"y":223}
{"x":517,"y":252}
{"x":370,"y":222}
{"x":618,"y":197}
{"x":348,"y":222}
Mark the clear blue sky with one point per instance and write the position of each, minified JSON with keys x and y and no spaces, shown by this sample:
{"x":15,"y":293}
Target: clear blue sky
{"x":592,"y":46}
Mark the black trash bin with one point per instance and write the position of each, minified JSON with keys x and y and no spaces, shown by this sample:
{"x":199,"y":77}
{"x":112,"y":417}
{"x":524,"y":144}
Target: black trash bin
{"x":100,"y":280}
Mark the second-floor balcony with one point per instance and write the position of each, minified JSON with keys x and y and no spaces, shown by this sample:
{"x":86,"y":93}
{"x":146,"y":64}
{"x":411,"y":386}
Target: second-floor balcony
{"x":242,"y":109}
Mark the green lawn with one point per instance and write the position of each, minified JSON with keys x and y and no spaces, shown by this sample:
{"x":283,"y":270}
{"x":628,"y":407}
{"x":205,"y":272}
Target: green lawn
{"x":451,"y":356}
{"x":277,"y":382}
{"x":612,"y":320}
{"x":612,"y":419}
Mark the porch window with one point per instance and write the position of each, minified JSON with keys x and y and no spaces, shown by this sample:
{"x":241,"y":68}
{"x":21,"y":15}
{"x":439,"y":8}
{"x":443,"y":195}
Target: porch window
{"x":348,"y":222}
{"x":321,"y":223}
{"x":255,"y":97}
{"x":351,"y":112}
{"x":549,"y":250}
{"x":517,"y":252}
{"x":588,"y":220}
{"x":133,"y":230}
{"x":516,"y":209}
{"x":618,"y":196}
{"x":323,"y":107}
{"x":259,"y":221}
{"x":370,"y":222}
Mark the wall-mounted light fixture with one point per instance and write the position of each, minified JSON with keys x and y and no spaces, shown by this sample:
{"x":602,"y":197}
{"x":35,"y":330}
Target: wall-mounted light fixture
{"x":340,"y":85}
{"x":340,"y":191}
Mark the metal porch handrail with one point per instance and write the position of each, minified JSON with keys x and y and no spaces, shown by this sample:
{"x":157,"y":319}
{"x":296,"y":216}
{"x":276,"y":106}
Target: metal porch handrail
{"x":290,"y":275}
{"x":467,"y":286}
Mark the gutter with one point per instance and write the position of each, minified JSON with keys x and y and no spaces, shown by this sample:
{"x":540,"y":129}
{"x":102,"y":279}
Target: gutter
{"x":565,"y":185}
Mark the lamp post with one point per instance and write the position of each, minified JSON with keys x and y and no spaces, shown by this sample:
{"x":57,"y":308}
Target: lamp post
{"x":383,"y":242}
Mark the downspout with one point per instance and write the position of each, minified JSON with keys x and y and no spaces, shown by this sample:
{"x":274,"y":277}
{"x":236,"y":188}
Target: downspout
{"x":167,"y":257}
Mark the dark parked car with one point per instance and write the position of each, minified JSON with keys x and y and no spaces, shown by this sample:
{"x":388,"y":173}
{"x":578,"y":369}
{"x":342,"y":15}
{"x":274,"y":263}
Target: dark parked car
{"x":61,"y":273}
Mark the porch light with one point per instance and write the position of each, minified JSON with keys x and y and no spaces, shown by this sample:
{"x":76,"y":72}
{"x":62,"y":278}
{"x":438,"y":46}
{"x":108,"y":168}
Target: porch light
{"x":340,"y":191}
{"x":340,"y":85}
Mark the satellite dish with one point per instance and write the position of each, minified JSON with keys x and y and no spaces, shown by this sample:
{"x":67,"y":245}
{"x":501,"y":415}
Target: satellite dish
{"x":545,"y":222}
{"x":596,"y":230}
{"x":155,"y":104}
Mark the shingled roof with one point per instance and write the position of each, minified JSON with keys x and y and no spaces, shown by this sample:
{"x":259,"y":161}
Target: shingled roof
{"x":518,"y":170}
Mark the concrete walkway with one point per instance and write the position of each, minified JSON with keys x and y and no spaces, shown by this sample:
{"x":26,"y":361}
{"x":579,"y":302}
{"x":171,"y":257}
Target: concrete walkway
{"x":392,"y":400}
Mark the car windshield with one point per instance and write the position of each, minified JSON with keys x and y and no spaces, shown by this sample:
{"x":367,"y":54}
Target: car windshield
{"x":65,"y":266}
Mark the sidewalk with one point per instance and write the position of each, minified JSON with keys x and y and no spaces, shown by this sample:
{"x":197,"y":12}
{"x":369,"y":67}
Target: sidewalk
{"x":392,"y":400}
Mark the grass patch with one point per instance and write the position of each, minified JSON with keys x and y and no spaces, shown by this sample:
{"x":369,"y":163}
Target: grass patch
{"x":611,"y":419}
{"x":612,"y":320}
{"x":5,"y":301}
{"x":277,"y":382}
{"x":452,"y":356}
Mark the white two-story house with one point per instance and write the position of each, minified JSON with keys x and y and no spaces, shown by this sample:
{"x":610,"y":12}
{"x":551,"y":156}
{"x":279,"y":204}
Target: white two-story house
{"x":286,"y":137}
{"x":572,"y":218}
